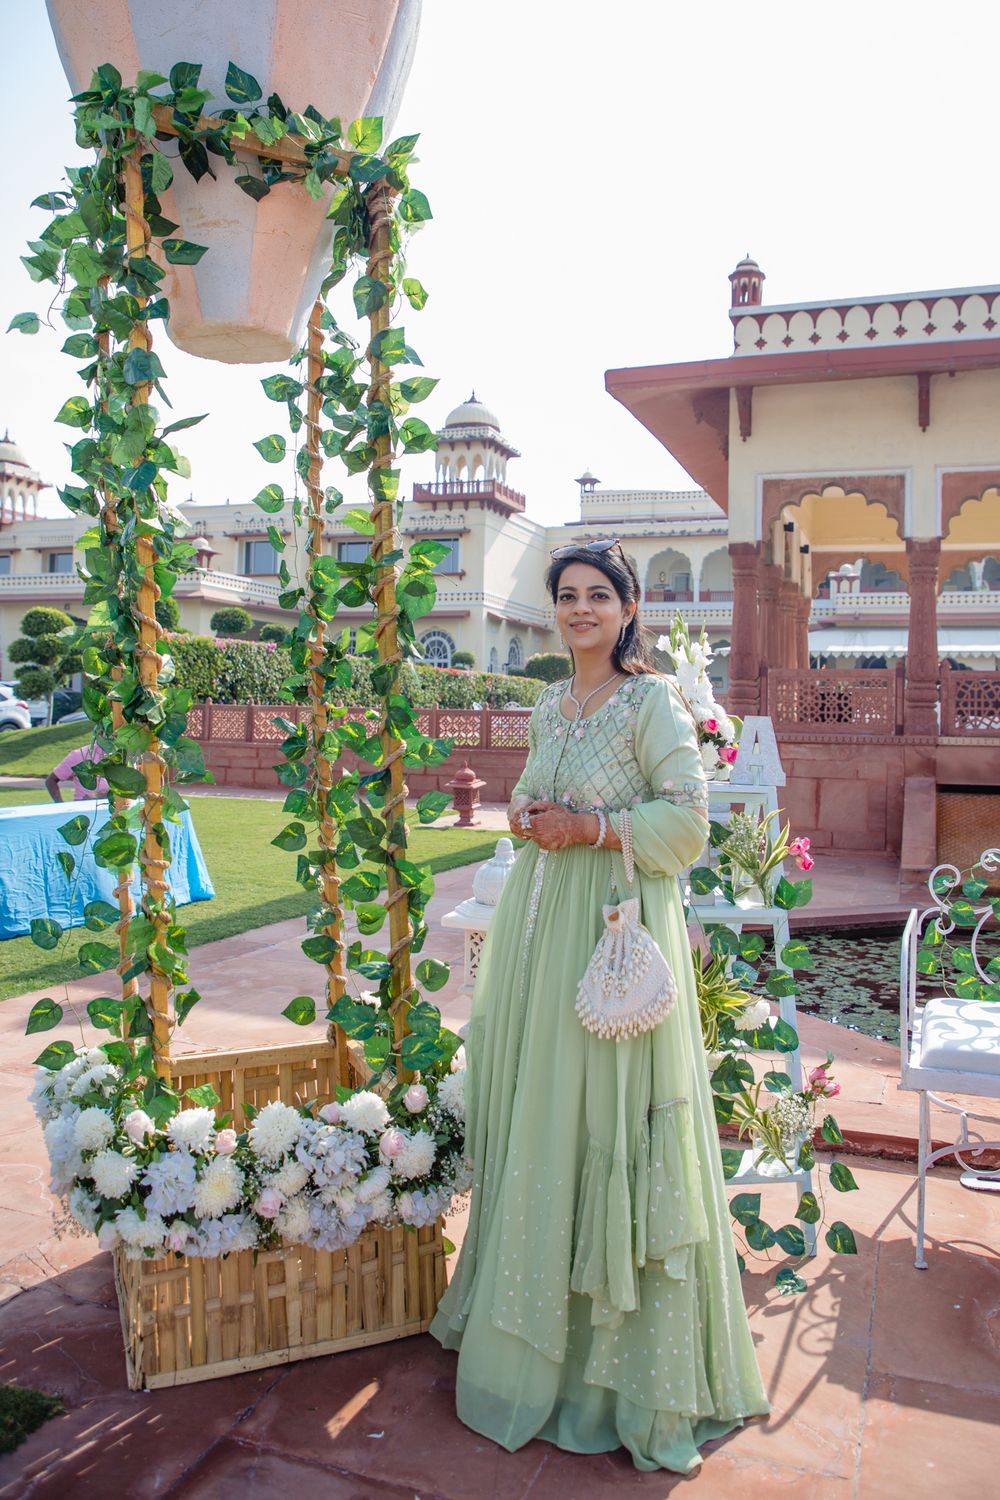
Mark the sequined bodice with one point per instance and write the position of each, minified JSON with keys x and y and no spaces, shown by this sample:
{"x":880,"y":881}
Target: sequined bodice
{"x":591,"y":763}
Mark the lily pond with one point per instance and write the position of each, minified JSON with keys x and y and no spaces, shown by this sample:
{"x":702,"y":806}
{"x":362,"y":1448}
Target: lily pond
{"x":855,"y":981}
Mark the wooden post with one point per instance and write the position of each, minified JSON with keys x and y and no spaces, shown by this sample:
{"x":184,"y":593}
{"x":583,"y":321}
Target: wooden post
{"x":123,"y":885}
{"x":385,"y":541}
{"x":335,"y":982}
{"x":151,"y":855}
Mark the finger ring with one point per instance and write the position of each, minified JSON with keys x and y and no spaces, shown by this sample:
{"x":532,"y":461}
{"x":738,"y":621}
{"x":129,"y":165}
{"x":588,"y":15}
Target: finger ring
{"x":526,"y":822}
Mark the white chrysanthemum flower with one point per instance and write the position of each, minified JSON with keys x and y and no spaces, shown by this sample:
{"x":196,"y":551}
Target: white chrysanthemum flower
{"x":192,"y":1128}
{"x":275,"y":1131}
{"x":752,"y":1017}
{"x":381,"y":1208}
{"x":451,"y":1095}
{"x":84,"y":1207}
{"x":139,"y":1235}
{"x":219,"y":1188}
{"x":366,"y":1112}
{"x":289,"y":1179}
{"x":417,"y":1156}
{"x":709,"y":757}
{"x":112,"y":1173}
{"x":94,"y":1129}
{"x":727,"y":728}
{"x":171,"y":1183}
{"x":102,"y":1075}
{"x":376,"y":1183}
{"x":292,"y":1222}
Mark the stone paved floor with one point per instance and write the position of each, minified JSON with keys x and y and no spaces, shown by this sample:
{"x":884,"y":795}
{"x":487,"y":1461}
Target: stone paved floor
{"x":885,"y":1381}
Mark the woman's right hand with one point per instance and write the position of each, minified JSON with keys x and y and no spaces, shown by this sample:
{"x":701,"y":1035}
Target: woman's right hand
{"x":514,"y":811}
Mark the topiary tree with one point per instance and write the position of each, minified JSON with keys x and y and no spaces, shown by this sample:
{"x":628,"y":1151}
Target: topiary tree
{"x":276,"y":633}
{"x":231,"y":621}
{"x":168,"y":612}
{"x":44,"y":659}
{"x":463,"y":659}
{"x":550,"y":666}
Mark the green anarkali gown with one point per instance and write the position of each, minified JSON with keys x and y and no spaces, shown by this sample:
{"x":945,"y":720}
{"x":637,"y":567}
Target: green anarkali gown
{"x":597,"y":1300}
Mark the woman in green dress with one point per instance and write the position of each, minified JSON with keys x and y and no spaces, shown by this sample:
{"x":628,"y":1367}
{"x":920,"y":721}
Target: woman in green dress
{"x":597,"y":1300}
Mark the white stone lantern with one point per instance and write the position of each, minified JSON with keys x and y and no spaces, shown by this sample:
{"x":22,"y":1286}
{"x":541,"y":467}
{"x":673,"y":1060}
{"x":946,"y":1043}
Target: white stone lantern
{"x":248,"y":300}
{"x":473,"y":916}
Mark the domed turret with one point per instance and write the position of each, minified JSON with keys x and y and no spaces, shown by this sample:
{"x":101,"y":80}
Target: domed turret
{"x":747,"y":283}
{"x":472,"y":452}
{"x":471,"y":413}
{"x":19,"y":483}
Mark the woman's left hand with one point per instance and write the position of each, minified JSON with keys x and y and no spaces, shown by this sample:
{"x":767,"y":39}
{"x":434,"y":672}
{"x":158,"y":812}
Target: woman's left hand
{"x":556,"y":827}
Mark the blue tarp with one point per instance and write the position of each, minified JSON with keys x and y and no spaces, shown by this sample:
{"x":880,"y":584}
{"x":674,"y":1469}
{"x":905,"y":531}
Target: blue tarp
{"x":33,"y":884}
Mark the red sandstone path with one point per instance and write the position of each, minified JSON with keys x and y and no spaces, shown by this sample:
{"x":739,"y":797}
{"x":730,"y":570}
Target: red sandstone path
{"x":885,"y":1380}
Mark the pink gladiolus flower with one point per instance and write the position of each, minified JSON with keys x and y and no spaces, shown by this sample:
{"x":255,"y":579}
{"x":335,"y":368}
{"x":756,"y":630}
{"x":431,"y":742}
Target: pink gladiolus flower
{"x":711,"y":726}
{"x":800,"y":846}
{"x":805,"y":862}
{"x":225,"y":1142}
{"x":268,"y":1205}
{"x":728,"y":754}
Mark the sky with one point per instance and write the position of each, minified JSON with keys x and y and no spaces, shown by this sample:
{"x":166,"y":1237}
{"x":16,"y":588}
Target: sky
{"x":595,"y":173}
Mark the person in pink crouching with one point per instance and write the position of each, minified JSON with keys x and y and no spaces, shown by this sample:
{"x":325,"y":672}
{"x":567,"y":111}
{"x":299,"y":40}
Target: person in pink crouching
{"x":66,"y":771}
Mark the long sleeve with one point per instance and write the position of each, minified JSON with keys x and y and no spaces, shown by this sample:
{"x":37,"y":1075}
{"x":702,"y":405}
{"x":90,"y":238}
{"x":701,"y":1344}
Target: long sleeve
{"x":669,"y":832}
{"x":523,"y":786}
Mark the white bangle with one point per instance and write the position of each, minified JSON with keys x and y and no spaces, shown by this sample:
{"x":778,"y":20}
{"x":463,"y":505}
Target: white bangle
{"x":602,"y":829}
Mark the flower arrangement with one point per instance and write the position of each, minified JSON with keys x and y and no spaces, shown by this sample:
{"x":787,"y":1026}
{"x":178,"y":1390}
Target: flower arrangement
{"x":718,"y":732}
{"x":749,"y":852}
{"x":786,"y":1124}
{"x":186,"y":1181}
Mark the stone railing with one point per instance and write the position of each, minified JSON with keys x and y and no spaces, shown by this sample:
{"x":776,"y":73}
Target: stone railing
{"x":228,"y":583}
{"x":253,"y":724}
{"x":963,"y":316}
{"x":970,"y":702}
{"x":865,"y":701}
{"x":964,"y":601}
{"x":44,"y":583}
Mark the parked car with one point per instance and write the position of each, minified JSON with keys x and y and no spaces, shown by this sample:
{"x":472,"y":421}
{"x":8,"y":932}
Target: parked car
{"x":14,"y":711}
{"x":64,"y":701}
{"x":76,"y":717}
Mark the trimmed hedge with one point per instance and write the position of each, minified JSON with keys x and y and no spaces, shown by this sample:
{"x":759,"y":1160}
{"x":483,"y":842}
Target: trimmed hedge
{"x":235,"y":671}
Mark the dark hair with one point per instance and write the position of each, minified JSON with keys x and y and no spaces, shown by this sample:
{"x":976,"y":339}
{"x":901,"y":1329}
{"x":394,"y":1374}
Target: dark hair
{"x":633,"y":655}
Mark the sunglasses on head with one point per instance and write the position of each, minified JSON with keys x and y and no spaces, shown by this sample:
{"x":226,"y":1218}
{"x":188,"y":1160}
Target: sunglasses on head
{"x":606,"y":544}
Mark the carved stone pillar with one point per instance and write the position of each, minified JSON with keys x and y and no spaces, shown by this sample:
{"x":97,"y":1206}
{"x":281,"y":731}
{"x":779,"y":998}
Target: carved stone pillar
{"x":803,"y":609}
{"x":744,"y":659}
{"x":920,"y":714}
{"x":788,"y":605}
{"x":768,"y":620}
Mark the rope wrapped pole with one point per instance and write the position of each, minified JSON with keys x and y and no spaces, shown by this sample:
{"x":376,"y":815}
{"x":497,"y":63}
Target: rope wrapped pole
{"x":123,"y":884}
{"x":385,"y":541}
{"x":335,"y":980}
{"x":151,"y":854}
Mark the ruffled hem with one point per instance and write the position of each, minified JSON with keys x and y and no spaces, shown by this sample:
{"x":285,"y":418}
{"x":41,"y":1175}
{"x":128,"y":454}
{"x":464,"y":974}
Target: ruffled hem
{"x":630,"y":1214}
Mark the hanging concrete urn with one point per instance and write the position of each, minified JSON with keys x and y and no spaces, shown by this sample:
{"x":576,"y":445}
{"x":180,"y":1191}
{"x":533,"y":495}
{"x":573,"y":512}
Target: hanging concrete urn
{"x":247,"y":301}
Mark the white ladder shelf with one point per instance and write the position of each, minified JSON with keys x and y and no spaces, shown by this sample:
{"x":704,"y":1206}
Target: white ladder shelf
{"x":723,"y":796}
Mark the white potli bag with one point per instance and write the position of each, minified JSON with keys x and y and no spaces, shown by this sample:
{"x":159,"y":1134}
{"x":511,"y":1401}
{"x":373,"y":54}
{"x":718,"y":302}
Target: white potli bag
{"x":628,"y":986}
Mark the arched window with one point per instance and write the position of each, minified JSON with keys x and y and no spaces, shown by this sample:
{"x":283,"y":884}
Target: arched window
{"x":494,"y":659}
{"x":438,"y":648}
{"x":515,"y":653}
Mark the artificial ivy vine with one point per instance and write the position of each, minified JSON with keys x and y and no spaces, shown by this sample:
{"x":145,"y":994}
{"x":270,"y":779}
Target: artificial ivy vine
{"x":350,"y":405}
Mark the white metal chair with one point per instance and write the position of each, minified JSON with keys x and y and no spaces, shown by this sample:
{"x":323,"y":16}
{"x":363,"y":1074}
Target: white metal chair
{"x":950,"y":1043}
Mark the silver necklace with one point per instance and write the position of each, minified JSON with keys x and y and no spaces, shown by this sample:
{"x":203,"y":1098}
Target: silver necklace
{"x":592,"y":694}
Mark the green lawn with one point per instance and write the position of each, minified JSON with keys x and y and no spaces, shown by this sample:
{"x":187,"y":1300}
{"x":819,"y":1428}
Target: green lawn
{"x":254,"y":882}
{"x":33,"y":752}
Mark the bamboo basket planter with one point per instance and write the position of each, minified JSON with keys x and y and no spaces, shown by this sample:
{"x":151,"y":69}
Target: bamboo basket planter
{"x":197,"y":1319}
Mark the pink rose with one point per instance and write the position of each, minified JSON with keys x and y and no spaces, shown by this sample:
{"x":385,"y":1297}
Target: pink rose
{"x":176,"y":1239}
{"x":332,"y":1114}
{"x":415,"y":1098}
{"x":225,"y":1142}
{"x":819,"y":1075}
{"x":392,"y":1143}
{"x":268,"y":1205}
{"x":711,"y":726}
{"x":805,"y":862}
{"x":728,"y":754}
{"x":108,"y":1237}
{"x":137,"y":1126}
{"x":799,"y":846}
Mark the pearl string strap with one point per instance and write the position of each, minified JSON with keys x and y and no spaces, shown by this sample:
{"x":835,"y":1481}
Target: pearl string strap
{"x":602,"y":824}
{"x":625,"y":839}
